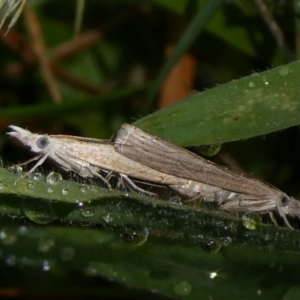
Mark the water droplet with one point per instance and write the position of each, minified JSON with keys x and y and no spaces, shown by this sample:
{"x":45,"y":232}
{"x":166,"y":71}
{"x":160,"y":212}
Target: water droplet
{"x":210,"y":246}
{"x":251,"y":220}
{"x":44,"y":245}
{"x":53,"y":178}
{"x":3,"y":234}
{"x":209,"y":150}
{"x":225,"y":241}
{"x":79,"y":204}
{"x":67,"y":253}
{"x":283,"y":71}
{"x":182,"y":288}
{"x":39,"y":211}
{"x":30,"y":185}
{"x":11,"y":260}
{"x":22,"y":230}
{"x":258,"y":292}
{"x":94,"y":189}
{"x":49,"y":190}
{"x":88,"y":212}
{"x":7,"y":238}
{"x":65,"y":191}
{"x":136,"y":237}
{"x":37,"y":176}
{"x":15,"y":169}
{"x":84,"y":188}
{"x":46,"y":266}
{"x":266,"y":82}
{"x":251,"y":84}
{"x":107,"y":218}
{"x":176,"y":200}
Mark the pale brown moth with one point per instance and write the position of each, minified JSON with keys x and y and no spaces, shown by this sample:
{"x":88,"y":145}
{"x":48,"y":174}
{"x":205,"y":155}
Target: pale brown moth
{"x":135,"y":154}
{"x":233,"y":192}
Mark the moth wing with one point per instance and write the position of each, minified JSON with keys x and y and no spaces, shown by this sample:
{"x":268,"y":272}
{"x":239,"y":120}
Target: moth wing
{"x":165,"y":157}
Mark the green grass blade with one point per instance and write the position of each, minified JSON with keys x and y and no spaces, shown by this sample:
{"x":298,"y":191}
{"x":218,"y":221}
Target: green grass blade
{"x":251,"y":106}
{"x":68,"y":201}
{"x":170,"y":267}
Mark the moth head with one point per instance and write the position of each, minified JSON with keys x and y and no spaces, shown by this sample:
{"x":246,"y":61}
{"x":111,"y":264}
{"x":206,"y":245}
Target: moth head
{"x":292,"y":208}
{"x":38,"y":143}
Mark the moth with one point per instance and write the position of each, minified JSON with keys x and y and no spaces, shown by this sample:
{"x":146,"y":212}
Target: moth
{"x":136,"y":155}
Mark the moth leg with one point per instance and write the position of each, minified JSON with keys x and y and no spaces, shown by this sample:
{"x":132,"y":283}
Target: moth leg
{"x":283,"y":216}
{"x":40,"y":162}
{"x":252,"y":205}
{"x":196,"y":198}
{"x":215,"y":197}
{"x":271,"y":215}
{"x":96,"y":174}
{"x":120,"y":182}
{"x":82,"y":170}
{"x":134,"y":186}
{"x":30,"y":160}
{"x":109,"y":175}
{"x":261,"y":206}
{"x":286,"y":222}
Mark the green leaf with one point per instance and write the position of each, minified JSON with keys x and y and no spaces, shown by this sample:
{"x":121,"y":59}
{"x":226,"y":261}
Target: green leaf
{"x":236,"y":35}
{"x":177,"y":266}
{"x":164,"y":266}
{"x":251,"y":106}
{"x":43,"y":201}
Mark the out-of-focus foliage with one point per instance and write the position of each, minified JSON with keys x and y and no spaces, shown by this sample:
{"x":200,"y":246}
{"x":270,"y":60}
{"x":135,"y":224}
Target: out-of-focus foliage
{"x":13,"y":8}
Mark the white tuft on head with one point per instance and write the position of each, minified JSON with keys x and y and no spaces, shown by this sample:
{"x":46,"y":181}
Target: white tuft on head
{"x":293,"y":208}
{"x":24,"y":136}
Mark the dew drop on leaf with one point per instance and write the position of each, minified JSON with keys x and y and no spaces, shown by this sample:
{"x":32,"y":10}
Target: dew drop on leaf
{"x":15,"y":170}
{"x":65,"y":191}
{"x":210,"y":246}
{"x":39,"y":211}
{"x":182,"y":288}
{"x":53,"y":178}
{"x":251,"y":220}
{"x":37,"y":176}
{"x":30,"y":185}
{"x":135,"y":237}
